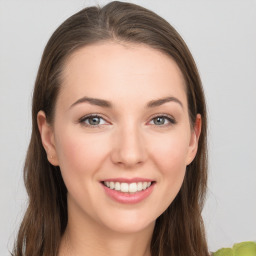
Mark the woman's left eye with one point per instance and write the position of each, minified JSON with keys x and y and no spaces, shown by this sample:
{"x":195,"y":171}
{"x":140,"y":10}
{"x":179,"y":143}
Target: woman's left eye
{"x":93,"y":120}
{"x":162,"y":120}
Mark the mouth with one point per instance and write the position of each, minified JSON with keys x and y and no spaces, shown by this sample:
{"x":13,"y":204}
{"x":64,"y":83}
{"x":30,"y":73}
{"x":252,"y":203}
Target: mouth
{"x":128,"y":187}
{"x":128,"y":191}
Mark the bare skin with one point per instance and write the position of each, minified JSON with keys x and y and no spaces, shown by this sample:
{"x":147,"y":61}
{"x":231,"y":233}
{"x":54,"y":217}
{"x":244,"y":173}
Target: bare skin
{"x":102,"y":243}
{"x":134,"y":125}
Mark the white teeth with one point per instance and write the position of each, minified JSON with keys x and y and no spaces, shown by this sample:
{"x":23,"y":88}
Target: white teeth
{"x":112,"y":185}
{"x":117,"y":186}
{"x":139,"y":186}
{"x":133,"y":187}
{"x":126,"y":187}
{"x":144,"y":185}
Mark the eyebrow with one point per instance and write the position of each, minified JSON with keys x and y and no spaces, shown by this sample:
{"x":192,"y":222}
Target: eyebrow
{"x":159,"y":102}
{"x":93,"y":101}
{"x":107,"y":104}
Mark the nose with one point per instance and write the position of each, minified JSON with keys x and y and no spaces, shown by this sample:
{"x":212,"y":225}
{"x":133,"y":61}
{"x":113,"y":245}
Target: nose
{"x":128,"y":148}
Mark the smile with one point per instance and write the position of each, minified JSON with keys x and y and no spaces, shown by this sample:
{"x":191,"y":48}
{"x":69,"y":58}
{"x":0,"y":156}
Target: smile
{"x":127,"y":187}
{"x":128,"y":191}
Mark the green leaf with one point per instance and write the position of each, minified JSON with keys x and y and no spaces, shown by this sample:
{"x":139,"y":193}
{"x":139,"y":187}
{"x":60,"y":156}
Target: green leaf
{"x":224,"y":252}
{"x":239,"y":249}
{"x":245,"y":249}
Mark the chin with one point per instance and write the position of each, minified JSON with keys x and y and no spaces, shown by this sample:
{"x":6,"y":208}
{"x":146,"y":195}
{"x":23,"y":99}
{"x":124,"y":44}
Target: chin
{"x":129,"y":222}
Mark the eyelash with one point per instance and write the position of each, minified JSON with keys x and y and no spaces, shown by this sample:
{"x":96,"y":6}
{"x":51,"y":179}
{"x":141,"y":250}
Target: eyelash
{"x":170,"y":119}
{"x":87,"y":117}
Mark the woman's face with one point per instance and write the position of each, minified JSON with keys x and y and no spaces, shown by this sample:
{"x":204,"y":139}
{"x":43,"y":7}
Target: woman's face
{"x":121,"y":124}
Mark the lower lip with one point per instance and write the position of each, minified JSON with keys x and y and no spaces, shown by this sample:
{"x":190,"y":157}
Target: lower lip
{"x":127,"y":198}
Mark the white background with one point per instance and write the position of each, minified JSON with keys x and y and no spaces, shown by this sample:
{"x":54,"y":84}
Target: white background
{"x":222,"y":37}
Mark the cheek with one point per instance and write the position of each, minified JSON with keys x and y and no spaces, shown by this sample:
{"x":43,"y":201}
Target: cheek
{"x":173,"y":166}
{"x":169,"y":155}
{"x":80,"y":154}
{"x":170,"y":152}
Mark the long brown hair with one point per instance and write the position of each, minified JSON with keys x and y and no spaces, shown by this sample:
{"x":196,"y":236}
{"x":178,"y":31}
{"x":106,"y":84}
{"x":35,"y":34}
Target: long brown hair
{"x":179,"y":231}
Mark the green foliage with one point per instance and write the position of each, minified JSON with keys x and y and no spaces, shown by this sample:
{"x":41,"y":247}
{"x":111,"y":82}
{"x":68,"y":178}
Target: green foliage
{"x":240,"y":249}
{"x":224,"y":252}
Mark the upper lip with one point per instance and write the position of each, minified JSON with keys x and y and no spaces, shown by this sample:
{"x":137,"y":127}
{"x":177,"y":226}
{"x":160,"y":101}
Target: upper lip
{"x":128,"y":180}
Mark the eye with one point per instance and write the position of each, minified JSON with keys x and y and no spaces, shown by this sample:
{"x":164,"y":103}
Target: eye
{"x":162,"y":120}
{"x":93,"y":120}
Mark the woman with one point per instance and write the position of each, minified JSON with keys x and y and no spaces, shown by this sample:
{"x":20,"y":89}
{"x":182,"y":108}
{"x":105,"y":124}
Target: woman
{"x":117,"y":159}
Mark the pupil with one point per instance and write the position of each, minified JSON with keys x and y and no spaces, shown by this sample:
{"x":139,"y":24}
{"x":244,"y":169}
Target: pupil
{"x":94,"y":120}
{"x":159,"y":120}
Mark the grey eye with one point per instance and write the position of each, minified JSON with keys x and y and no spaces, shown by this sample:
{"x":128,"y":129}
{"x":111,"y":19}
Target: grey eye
{"x":160,"y":120}
{"x":94,"y":120}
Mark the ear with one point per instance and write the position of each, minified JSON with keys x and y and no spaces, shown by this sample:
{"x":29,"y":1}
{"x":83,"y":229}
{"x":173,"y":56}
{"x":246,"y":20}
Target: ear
{"x":47,"y":137}
{"x":194,"y":138}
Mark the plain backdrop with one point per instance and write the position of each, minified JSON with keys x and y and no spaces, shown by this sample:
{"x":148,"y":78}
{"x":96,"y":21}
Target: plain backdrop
{"x":222,"y":38}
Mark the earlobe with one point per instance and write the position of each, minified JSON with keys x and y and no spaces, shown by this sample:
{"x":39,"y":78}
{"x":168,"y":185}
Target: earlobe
{"x":195,"y":134}
{"x":47,"y":137}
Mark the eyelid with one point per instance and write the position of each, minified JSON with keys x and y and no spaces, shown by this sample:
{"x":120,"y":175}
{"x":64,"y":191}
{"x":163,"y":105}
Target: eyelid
{"x":170,"y":118}
{"x":82,"y":120}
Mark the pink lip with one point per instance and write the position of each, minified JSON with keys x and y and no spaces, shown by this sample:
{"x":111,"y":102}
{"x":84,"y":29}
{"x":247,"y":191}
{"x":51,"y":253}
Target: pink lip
{"x":127,"y":198}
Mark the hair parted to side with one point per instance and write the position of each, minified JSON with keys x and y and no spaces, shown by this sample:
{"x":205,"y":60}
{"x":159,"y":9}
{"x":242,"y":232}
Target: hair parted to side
{"x":179,"y":231}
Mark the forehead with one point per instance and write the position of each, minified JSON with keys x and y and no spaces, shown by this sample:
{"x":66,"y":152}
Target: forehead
{"x":114,"y":70}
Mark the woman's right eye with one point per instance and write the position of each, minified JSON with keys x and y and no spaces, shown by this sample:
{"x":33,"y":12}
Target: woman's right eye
{"x":93,"y":121}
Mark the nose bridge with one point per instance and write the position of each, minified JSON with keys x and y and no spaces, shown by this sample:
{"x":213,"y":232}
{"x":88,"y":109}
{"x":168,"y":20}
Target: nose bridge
{"x":129,"y":146}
